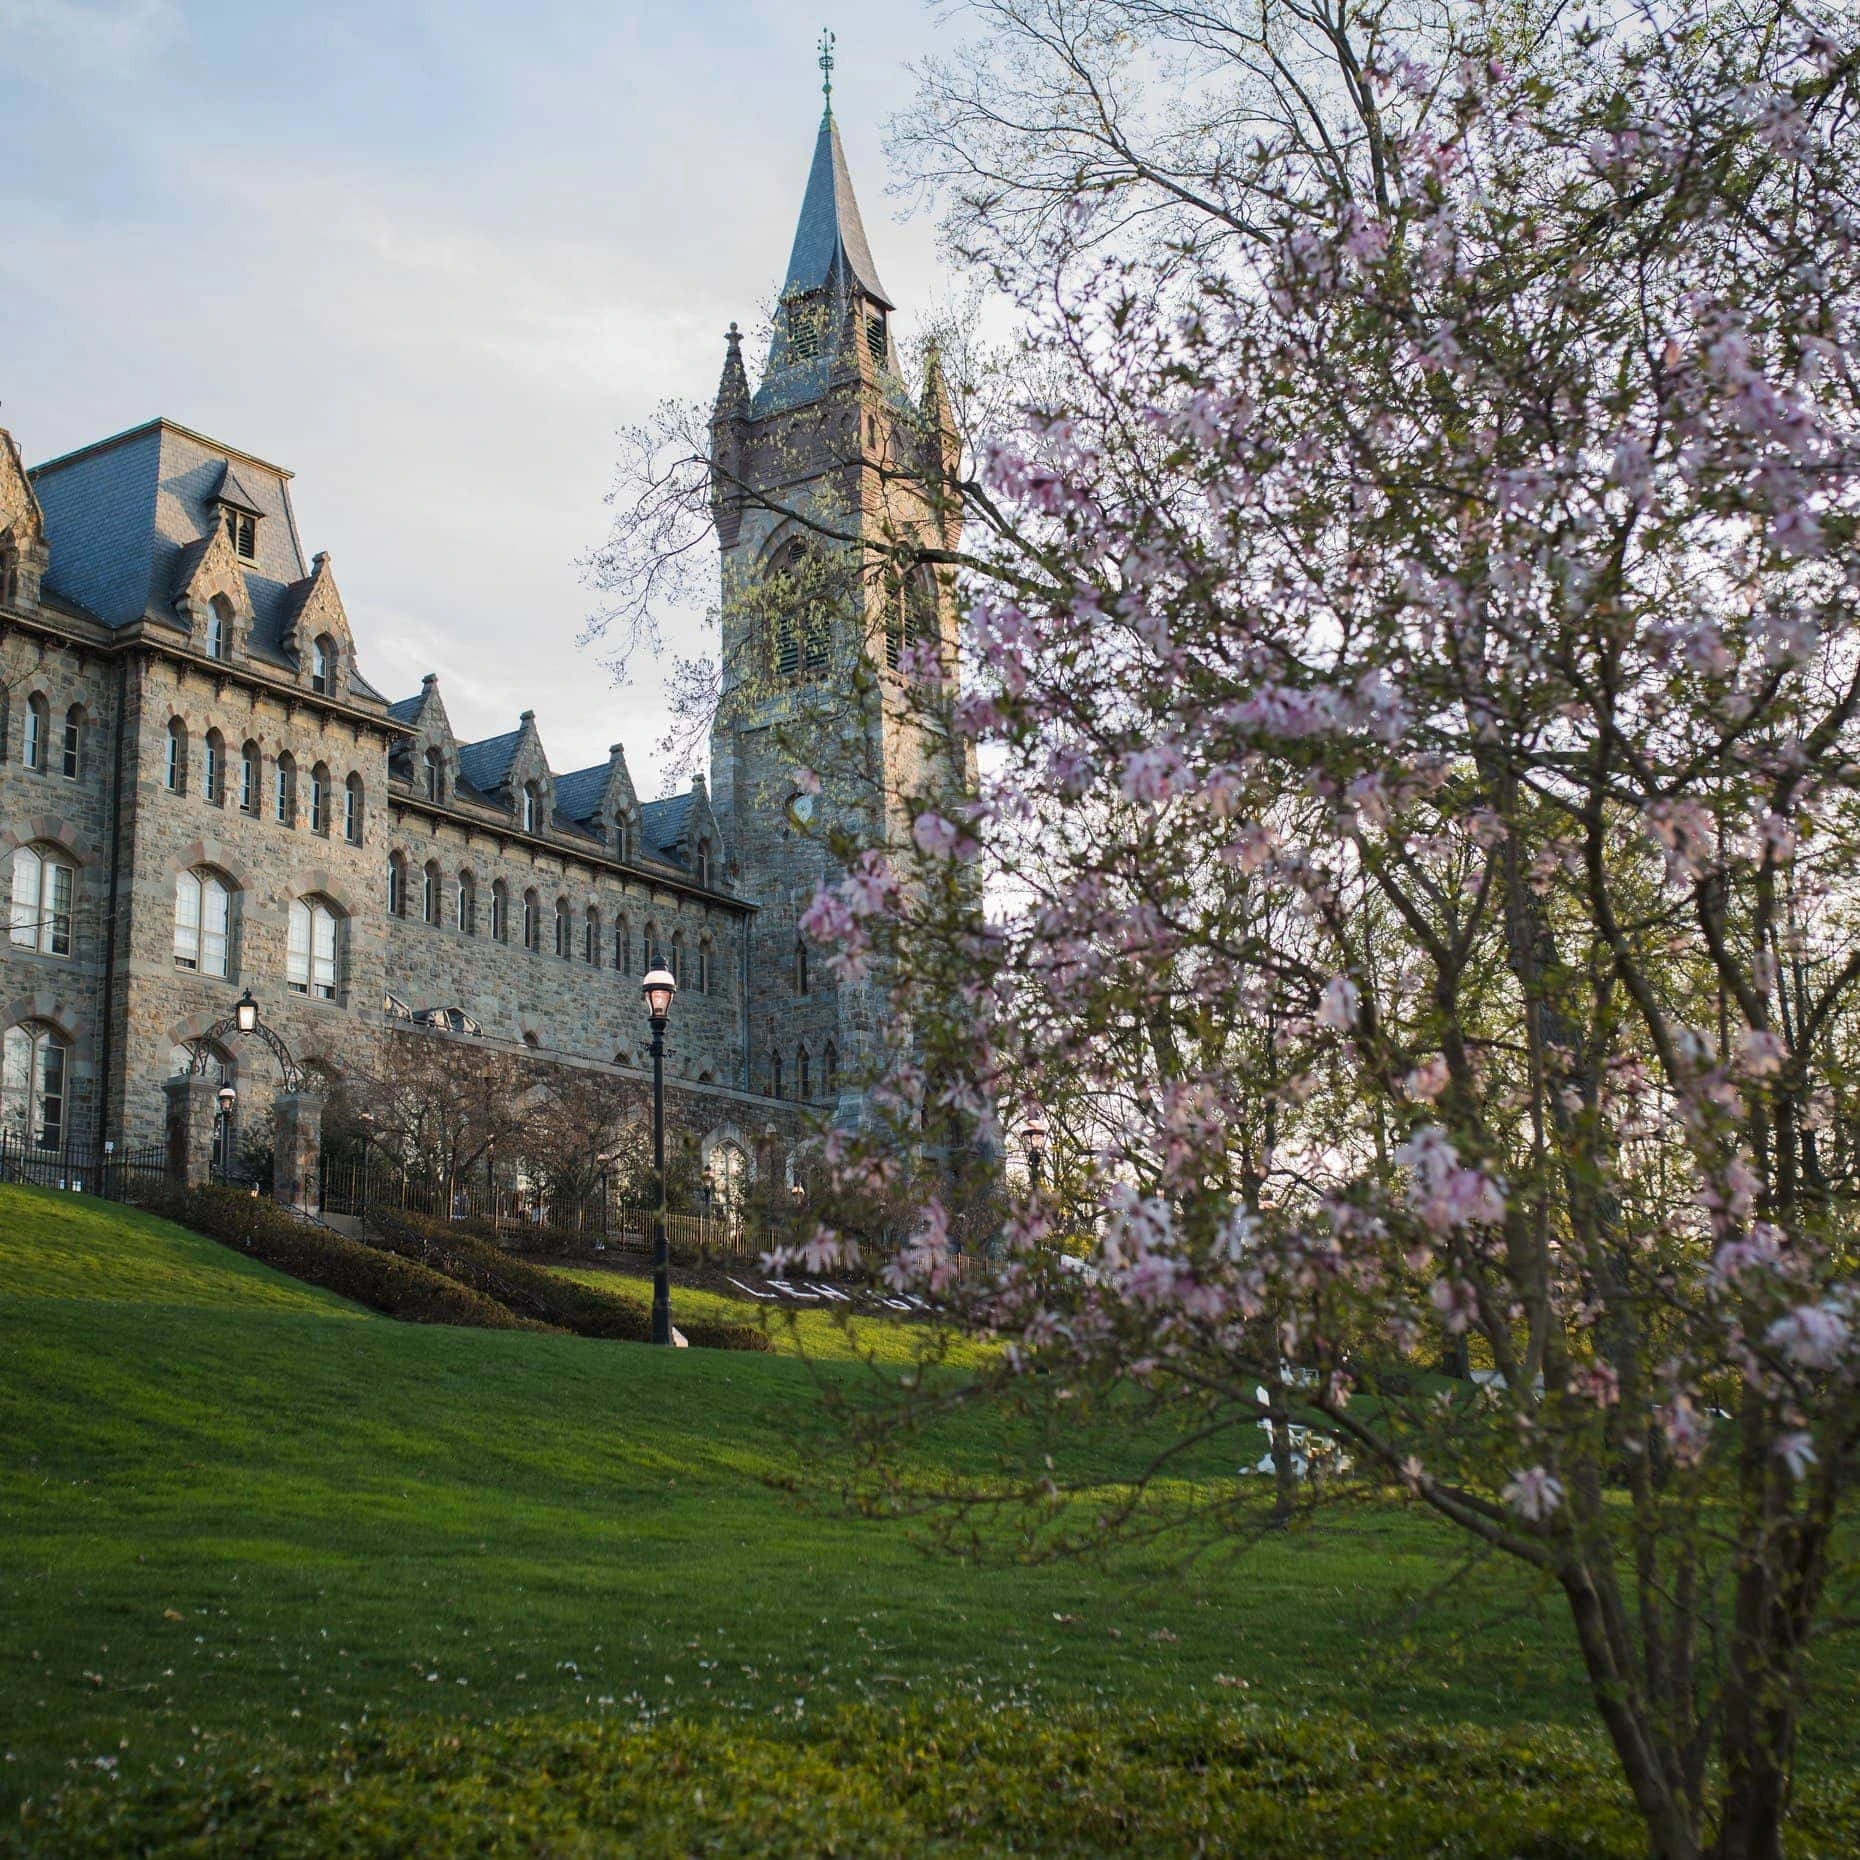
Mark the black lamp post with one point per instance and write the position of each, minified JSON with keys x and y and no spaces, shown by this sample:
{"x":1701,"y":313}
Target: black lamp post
{"x":222,"y":1136}
{"x":1033,"y":1136}
{"x":658,"y":987}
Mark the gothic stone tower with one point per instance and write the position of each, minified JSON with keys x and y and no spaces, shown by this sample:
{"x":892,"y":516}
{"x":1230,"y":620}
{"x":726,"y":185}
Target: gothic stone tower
{"x":827,"y":480}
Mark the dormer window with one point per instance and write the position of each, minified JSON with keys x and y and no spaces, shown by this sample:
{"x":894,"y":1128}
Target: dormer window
{"x":532,"y":807}
{"x":242,"y":533}
{"x":804,"y":319}
{"x":323,"y":666}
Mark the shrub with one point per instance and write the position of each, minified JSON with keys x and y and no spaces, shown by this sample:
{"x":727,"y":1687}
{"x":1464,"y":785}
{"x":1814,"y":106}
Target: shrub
{"x":538,"y":1293}
{"x":398,"y":1287}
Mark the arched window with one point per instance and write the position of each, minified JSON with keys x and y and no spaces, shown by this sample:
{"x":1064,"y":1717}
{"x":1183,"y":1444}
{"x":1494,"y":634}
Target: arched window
{"x":286,"y":790}
{"x":73,"y":759}
{"x":203,"y":922}
{"x":34,"y":1066}
{"x":803,"y":1081}
{"x":800,"y":965}
{"x":323,"y":666}
{"x":532,"y":921}
{"x":700,"y":863}
{"x":623,"y":946}
{"x":623,"y":839}
{"x":429,"y":892}
{"x":804,"y":622}
{"x":219,"y":628}
{"x":649,"y":956}
{"x":313,"y":961}
{"x":532,"y":807}
{"x":706,"y":958}
{"x":44,"y":885}
{"x":467,"y":904}
{"x":591,"y":936}
{"x":352,"y":810}
{"x":775,"y":1075}
{"x":678,"y":957}
{"x":220,"y":1067}
{"x":435,"y":775}
{"x":175,"y":774}
{"x":500,"y":911}
{"x":910,"y":614}
{"x":564,"y":930}
{"x":830,"y":1071}
{"x":213,"y":768}
{"x":319,"y":798}
{"x":251,"y":777}
{"x":397,"y":884}
{"x":33,"y":749}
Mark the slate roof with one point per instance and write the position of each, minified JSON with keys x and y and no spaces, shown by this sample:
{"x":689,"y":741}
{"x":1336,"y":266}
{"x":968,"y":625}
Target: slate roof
{"x":486,"y":765}
{"x":581,"y":791}
{"x":126,"y":517}
{"x":663,"y":824}
{"x":830,"y":229}
{"x":404,"y":710}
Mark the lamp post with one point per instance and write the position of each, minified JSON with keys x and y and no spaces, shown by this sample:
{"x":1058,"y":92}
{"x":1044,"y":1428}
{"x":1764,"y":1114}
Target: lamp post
{"x":1033,"y":1137}
{"x":658,"y":987}
{"x":222,"y":1136}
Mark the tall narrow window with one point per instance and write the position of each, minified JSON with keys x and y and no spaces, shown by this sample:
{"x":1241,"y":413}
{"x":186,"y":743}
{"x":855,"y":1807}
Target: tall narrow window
{"x":564,"y":930}
{"x":775,"y":1075}
{"x":678,"y":957}
{"x":700,"y":864}
{"x":591,"y":936}
{"x":429,"y":892}
{"x":830,"y":1071}
{"x":623,"y":946}
{"x":319,"y":798}
{"x":532,"y":921}
{"x":219,"y":628}
{"x":242,"y":528}
{"x":435,"y":776}
{"x":532,"y":807}
{"x":313,"y":958}
{"x":623,"y":840}
{"x":500,"y":911}
{"x":250,"y":777}
{"x":43,"y":887}
{"x":286,"y":785}
{"x":38,"y":725}
{"x":397,"y":885}
{"x":176,"y":772}
{"x":467,"y":905}
{"x":213,"y":768}
{"x":705,"y":957}
{"x":352,"y":810}
{"x":73,"y":759}
{"x":202,"y":923}
{"x":323,"y":666}
{"x":803,"y":1082}
{"x":34,"y":1062}
{"x":800,"y":966}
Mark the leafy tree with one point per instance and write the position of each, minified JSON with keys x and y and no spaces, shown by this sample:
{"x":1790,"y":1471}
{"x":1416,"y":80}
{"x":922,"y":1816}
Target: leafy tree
{"x":1413,"y":665}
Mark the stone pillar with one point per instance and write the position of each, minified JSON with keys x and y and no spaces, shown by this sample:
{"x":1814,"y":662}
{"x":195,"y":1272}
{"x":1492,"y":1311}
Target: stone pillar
{"x":296,"y":1150}
{"x":193,"y":1103}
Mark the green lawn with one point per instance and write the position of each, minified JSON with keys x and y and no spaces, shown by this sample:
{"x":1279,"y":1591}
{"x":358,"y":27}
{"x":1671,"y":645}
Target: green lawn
{"x":234,"y":1508}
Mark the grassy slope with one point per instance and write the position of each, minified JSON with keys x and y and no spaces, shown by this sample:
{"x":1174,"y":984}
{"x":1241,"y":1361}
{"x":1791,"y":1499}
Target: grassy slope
{"x":230,"y":1504}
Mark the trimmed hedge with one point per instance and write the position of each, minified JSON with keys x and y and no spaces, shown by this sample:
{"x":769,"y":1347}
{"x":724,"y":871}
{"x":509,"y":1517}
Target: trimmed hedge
{"x":536,"y":1292}
{"x":397,"y":1287}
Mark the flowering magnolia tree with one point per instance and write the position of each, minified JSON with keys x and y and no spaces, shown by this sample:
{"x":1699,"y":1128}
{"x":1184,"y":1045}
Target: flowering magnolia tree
{"x":1416,"y":869}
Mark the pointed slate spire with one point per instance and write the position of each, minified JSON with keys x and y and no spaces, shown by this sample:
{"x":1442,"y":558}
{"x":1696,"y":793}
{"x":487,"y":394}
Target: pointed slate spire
{"x":830,"y":233}
{"x":733,"y":389}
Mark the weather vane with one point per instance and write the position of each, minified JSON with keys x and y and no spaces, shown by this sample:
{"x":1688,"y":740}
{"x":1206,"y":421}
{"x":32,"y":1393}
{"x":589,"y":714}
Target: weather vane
{"x":826,"y":64}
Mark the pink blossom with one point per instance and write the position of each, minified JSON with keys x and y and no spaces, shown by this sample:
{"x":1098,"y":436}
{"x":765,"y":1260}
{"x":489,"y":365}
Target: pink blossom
{"x":1534,"y":1494}
{"x":1338,"y":1008}
{"x":935,"y":836}
{"x":1815,"y":1336}
{"x":1796,"y":1450}
{"x":1443,"y":1194}
{"x":1428,"y":1080}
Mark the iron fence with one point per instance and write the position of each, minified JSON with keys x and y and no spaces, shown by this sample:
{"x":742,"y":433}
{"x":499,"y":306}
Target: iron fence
{"x":518,"y":1207}
{"x":82,"y":1168}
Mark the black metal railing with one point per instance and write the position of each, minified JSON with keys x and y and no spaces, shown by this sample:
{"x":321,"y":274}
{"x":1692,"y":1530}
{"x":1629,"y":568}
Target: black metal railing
{"x":82,"y":1168}
{"x":516,"y":1207}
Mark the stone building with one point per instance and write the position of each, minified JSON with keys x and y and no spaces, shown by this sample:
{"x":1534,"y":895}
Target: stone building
{"x":202,"y":792}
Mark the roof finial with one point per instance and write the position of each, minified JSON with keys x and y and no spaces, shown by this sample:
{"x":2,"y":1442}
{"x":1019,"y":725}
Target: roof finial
{"x":826,"y":66}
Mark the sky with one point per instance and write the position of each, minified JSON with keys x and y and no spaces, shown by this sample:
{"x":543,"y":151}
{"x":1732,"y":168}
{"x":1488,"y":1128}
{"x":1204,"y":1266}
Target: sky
{"x":432,"y":259}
